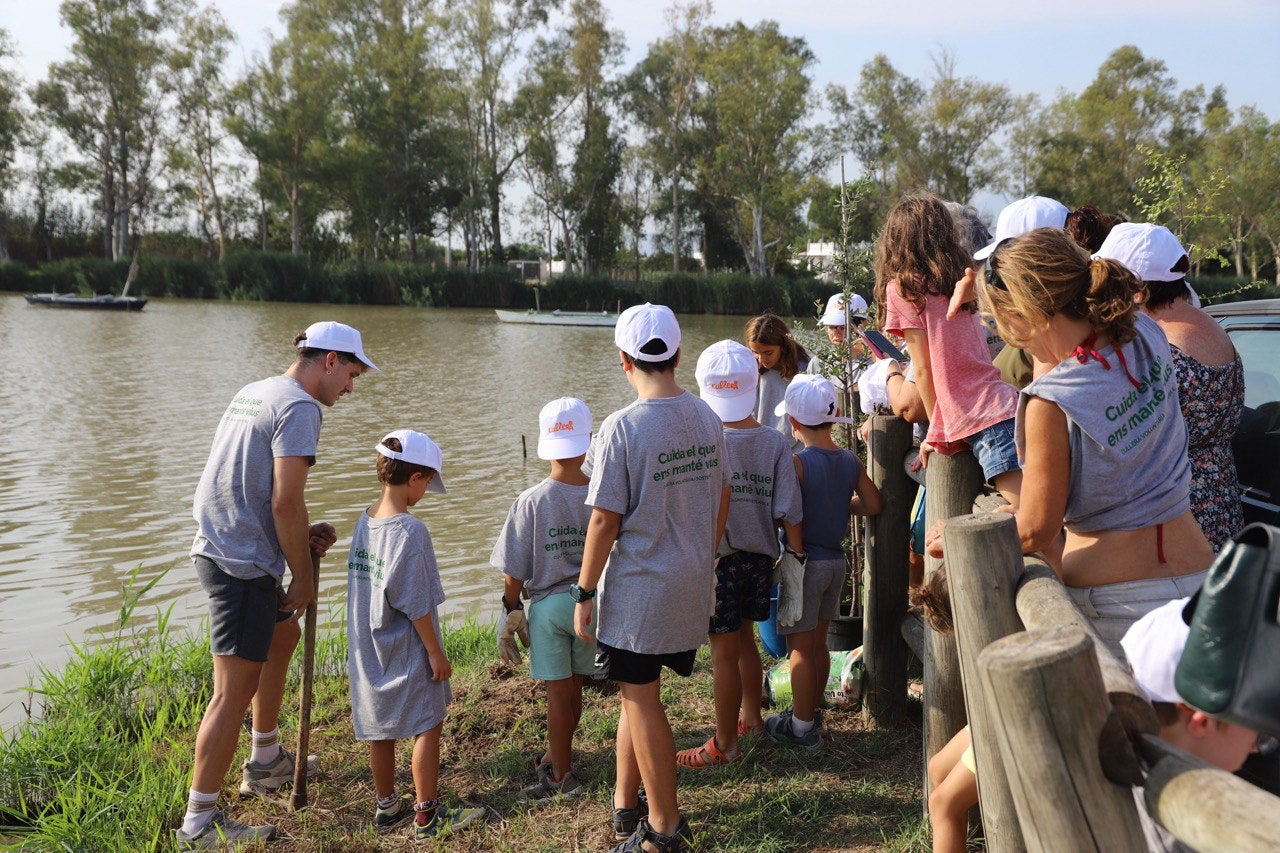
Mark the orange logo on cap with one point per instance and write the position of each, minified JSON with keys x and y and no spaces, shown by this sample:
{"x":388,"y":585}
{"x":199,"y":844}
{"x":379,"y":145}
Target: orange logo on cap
{"x":724,"y":385}
{"x":560,"y":427}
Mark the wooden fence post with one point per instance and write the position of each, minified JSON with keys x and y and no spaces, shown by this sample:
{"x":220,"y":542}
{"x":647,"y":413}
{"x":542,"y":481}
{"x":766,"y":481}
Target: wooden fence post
{"x":1053,"y":710}
{"x":952,"y":484}
{"x":1206,"y":808}
{"x":884,"y":651}
{"x":984,"y":562}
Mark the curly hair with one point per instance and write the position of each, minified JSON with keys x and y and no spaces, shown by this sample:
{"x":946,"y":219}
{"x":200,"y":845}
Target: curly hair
{"x":1089,"y":227}
{"x":1044,"y":272}
{"x":920,"y":248}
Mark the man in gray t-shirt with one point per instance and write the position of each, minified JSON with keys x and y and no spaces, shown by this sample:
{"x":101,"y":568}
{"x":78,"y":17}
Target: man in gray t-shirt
{"x":660,"y":498}
{"x":252,"y":523}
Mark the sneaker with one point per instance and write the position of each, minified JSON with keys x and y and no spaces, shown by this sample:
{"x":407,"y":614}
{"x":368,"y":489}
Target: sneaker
{"x":446,"y":820}
{"x":259,"y":778}
{"x":386,"y":821}
{"x":681,"y":839}
{"x":546,"y":788}
{"x":779,"y":727}
{"x":223,"y":833}
{"x":625,"y":821}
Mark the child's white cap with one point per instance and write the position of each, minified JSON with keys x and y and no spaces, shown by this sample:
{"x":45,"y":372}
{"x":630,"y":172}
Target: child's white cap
{"x":1023,"y":215}
{"x":1149,"y":251}
{"x":834,"y":315}
{"x":728,"y":376}
{"x":640,"y":324}
{"x":1154,"y":646}
{"x":336,"y":337}
{"x":811,"y":400}
{"x":417,"y":449}
{"x":564,"y":429}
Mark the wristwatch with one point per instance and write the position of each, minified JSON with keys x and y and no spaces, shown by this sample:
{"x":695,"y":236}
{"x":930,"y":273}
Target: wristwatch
{"x":579,"y":594}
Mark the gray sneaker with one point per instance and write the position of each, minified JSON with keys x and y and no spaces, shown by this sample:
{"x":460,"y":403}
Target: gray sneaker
{"x":223,"y":833}
{"x":546,"y":788}
{"x":446,"y":820}
{"x":779,"y":727}
{"x":264,"y":778}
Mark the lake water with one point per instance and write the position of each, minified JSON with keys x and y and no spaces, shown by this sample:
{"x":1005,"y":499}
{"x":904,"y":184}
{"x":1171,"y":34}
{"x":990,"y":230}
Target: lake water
{"x":106,"y":420}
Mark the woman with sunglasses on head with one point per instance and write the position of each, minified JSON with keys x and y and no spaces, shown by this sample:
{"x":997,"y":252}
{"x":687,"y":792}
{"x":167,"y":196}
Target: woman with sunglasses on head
{"x":1103,"y":441}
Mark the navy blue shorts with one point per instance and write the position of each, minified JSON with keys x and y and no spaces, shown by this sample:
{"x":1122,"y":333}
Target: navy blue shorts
{"x":742,"y":590}
{"x":995,"y":450}
{"x":242,"y":613}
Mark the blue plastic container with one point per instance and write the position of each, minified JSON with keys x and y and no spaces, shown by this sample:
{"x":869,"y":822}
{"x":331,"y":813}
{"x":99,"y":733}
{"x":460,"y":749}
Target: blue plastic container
{"x":774,"y":643}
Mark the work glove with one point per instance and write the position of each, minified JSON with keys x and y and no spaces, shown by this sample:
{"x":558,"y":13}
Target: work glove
{"x":790,"y":576}
{"x":514,"y":624}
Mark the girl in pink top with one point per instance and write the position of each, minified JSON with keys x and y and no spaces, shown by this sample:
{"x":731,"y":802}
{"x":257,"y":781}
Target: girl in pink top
{"x":918,"y":259}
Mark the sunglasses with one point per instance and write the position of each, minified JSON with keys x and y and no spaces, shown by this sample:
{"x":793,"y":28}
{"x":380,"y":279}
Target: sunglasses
{"x":990,"y":275}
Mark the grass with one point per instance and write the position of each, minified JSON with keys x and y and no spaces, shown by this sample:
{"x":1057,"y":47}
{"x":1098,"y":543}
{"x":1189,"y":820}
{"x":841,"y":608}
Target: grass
{"x":106,"y":764}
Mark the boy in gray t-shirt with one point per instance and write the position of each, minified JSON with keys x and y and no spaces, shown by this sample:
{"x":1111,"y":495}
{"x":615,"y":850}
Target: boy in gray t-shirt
{"x":540,"y":551}
{"x":659,"y":493}
{"x":395,"y":655}
{"x":764,"y":492}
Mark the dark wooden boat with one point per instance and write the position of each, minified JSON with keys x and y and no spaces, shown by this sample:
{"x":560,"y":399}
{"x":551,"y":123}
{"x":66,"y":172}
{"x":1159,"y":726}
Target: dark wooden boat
{"x":103,"y":302}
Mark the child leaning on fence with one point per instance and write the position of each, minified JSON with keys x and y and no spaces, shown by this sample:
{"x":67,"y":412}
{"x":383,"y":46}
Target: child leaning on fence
{"x":396,"y":663}
{"x":765,"y":493}
{"x":540,"y":552}
{"x":833,"y":484}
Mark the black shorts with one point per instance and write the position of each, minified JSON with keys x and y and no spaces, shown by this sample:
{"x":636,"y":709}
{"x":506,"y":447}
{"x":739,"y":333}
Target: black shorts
{"x":743,"y":581}
{"x":639,"y":668}
{"x":242,"y":613}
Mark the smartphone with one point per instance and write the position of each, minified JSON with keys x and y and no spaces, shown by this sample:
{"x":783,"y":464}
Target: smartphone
{"x":880,"y":345}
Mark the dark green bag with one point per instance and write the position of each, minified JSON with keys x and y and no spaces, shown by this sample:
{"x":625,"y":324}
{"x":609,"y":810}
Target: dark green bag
{"x":1230,"y":668}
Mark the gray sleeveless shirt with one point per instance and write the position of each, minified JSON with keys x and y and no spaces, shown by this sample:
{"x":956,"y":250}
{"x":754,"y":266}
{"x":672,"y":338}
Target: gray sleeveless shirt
{"x":1129,"y":465}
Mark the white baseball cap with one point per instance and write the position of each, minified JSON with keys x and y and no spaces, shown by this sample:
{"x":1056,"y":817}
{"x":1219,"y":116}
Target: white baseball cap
{"x":1023,"y":215}
{"x":811,"y":400}
{"x":640,"y":324}
{"x":1154,"y":646}
{"x":564,"y":429}
{"x":336,"y":337}
{"x":834,"y":315}
{"x":728,"y":376}
{"x":1149,"y":251}
{"x":416,"y":449}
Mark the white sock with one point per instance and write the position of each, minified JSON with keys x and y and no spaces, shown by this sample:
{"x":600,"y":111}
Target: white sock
{"x":799,"y":726}
{"x":200,"y":808}
{"x":266,"y":746}
{"x":388,"y":805}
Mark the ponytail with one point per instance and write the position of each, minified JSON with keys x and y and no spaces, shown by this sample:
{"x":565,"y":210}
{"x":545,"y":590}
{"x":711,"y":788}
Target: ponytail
{"x":1108,"y":299}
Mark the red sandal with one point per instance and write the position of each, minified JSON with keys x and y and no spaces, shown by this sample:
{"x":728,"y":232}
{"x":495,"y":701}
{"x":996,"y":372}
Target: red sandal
{"x":707,"y":755}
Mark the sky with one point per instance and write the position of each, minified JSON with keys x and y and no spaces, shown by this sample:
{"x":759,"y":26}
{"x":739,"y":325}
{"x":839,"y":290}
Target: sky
{"x":1029,"y":45}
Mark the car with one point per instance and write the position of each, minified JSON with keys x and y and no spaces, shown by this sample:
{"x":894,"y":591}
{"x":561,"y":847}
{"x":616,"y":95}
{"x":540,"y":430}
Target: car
{"x":1254,"y":328}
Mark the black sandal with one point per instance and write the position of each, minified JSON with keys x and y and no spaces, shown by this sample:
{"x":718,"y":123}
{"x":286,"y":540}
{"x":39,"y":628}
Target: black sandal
{"x":626,"y":820}
{"x":677,"y":841}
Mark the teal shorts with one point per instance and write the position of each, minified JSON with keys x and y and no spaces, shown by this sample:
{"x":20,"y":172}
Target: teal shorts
{"x":555,"y":652}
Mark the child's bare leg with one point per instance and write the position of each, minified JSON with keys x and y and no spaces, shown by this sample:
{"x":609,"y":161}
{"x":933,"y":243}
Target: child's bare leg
{"x":626,"y":792}
{"x":948,"y":757}
{"x":382,"y":764}
{"x":1009,"y":484}
{"x":949,"y":806}
{"x":426,"y":764}
{"x":655,"y":751}
{"x":803,"y":675}
{"x":727,"y":683}
{"x":564,"y":704}
{"x":821,"y":662}
{"x":751,"y":672}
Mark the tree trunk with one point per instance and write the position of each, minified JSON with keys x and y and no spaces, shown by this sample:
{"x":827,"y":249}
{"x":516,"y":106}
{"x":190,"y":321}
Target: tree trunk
{"x":498,"y":255}
{"x":295,"y":226}
{"x":1237,"y":247}
{"x":759,"y":268}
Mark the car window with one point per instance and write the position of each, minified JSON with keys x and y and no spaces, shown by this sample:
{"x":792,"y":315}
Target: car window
{"x":1260,"y":351}
{"x":1257,"y":441}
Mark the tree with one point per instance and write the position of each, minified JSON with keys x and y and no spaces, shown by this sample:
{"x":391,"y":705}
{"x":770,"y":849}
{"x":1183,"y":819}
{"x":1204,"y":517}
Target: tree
{"x":109,"y":99}
{"x":11,"y":128}
{"x":1091,"y":146}
{"x":755,"y":154}
{"x":660,"y":94}
{"x":202,"y":105}
{"x":487,"y":37}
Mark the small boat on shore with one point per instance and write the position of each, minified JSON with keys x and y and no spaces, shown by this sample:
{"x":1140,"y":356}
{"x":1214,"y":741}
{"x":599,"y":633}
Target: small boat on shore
{"x":558,"y":318}
{"x":101,"y":302}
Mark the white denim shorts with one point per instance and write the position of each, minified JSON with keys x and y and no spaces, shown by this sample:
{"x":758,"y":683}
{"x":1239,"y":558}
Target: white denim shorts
{"x":1113,"y":607}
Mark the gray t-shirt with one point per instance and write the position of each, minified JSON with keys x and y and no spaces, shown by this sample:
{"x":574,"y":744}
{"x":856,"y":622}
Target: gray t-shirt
{"x":1129,"y":464}
{"x":772,"y":391}
{"x":268,"y":419}
{"x":763,"y":489}
{"x":392,"y":580}
{"x":542,"y":538}
{"x":659,"y":463}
